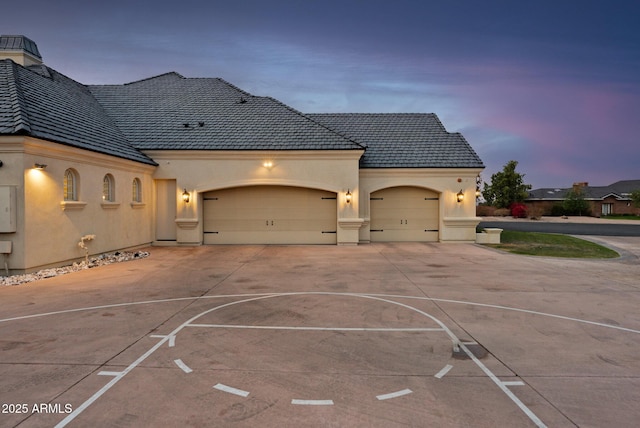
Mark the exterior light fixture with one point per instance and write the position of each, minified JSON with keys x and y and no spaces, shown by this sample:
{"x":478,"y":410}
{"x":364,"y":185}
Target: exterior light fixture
{"x":185,"y":196}
{"x":478,"y":182}
{"x":348,"y":196}
{"x":460,"y":196}
{"x":39,"y":166}
{"x":267,"y":164}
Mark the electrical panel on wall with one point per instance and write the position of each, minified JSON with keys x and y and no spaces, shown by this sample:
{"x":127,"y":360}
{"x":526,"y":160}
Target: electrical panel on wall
{"x":8,"y":209}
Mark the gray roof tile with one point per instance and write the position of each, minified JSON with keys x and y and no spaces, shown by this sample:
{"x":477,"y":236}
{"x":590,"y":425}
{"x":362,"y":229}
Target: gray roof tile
{"x":42,"y":103}
{"x":403,"y":140}
{"x":170,"y":112}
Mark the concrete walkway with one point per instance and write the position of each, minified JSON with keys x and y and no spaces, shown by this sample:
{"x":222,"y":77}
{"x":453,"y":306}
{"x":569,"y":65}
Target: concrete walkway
{"x":377,"y":335}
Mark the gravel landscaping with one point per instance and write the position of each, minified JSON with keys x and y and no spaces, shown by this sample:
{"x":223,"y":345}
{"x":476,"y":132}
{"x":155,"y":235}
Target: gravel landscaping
{"x":100,"y":260}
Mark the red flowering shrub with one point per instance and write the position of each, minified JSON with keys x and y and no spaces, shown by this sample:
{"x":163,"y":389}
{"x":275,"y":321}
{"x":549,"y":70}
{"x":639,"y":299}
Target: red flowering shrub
{"x":518,"y":210}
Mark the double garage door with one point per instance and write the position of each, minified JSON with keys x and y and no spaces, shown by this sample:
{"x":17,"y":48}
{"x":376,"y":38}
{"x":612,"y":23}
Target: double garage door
{"x":269,"y":215}
{"x":404,"y":214}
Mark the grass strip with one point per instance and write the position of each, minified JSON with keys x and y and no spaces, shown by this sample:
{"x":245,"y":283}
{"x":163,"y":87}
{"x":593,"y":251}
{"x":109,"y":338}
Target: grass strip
{"x":551,"y":245}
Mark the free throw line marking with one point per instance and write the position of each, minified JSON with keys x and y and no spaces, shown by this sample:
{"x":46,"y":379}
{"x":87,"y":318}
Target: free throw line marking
{"x":275,"y":327}
{"x":394,"y":394}
{"x":231,"y":390}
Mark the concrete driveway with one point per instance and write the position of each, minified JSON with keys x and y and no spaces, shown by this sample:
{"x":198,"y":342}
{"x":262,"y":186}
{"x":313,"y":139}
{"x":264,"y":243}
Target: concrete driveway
{"x":375,"y":335}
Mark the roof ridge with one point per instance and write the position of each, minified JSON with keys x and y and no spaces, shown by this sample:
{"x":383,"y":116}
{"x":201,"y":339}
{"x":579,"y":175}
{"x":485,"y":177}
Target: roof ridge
{"x":231,"y":85}
{"x":21,"y":122}
{"x":306,"y":116}
{"x":169,"y":73}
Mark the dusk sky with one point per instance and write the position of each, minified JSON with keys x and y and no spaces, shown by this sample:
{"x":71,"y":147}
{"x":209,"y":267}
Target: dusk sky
{"x":554,"y":85}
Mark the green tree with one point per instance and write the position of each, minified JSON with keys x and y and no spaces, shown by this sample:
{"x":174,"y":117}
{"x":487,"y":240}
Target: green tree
{"x":575,"y":204}
{"x":635,"y":198}
{"x":506,"y":187}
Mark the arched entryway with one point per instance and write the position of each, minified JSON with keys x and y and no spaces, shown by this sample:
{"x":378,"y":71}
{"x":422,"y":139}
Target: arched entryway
{"x":269,"y":215}
{"x":404,"y":213}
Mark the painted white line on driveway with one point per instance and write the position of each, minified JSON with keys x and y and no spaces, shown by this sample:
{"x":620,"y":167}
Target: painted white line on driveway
{"x":532,"y":416}
{"x":223,"y":296}
{"x":71,"y":416}
{"x":394,"y":394}
{"x":105,"y":373}
{"x":444,"y":371}
{"x":513,"y":383}
{"x":275,"y":327}
{"x":312,"y":402}
{"x":231,"y":390}
{"x":172,"y":338}
{"x":182,"y":365}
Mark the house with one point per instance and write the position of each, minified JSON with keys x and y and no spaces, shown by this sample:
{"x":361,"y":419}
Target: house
{"x":603,"y":200}
{"x":171,"y":160}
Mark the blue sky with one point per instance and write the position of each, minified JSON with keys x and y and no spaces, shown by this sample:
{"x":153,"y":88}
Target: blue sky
{"x":554,"y":85}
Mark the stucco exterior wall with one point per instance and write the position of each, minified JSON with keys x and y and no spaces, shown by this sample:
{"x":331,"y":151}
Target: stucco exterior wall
{"x":457,"y":219}
{"x":49,"y":230}
{"x":202,"y":171}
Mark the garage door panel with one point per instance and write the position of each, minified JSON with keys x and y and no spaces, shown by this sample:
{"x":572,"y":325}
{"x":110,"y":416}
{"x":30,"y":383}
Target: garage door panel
{"x":270,"y":215}
{"x":404,"y":214}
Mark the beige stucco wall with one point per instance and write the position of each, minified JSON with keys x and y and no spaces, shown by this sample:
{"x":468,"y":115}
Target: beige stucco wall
{"x":457,"y":220}
{"x":49,"y":230}
{"x":202,"y":171}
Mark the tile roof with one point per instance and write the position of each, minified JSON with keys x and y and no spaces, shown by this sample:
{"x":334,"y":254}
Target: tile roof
{"x":40,"y":102}
{"x":403,"y":140}
{"x":619,"y":189}
{"x":171,"y":112}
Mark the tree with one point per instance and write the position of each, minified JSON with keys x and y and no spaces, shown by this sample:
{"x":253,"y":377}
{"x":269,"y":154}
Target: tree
{"x":635,"y":198}
{"x":575,"y":204}
{"x":506,"y":187}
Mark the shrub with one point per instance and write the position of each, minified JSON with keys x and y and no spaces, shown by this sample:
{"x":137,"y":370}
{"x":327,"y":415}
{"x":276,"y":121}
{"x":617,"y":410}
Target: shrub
{"x":557,"y":210}
{"x":519,"y":210}
{"x":535,"y":212}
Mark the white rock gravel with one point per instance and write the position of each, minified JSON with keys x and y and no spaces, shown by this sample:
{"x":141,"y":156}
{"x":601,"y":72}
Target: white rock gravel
{"x":100,"y":260}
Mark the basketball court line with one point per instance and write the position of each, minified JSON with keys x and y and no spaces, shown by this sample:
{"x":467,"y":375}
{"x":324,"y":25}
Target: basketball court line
{"x":395,"y":296}
{"x":171,"y":337}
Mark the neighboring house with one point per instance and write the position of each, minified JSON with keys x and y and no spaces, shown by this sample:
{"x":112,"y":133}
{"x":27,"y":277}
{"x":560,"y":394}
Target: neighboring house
{"x":171,"y":160}
{"x":603,"y":200}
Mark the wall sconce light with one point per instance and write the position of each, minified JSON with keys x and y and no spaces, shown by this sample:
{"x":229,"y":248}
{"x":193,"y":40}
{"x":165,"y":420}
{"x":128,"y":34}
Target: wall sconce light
{"x":478,"y":183}
{"x":185,"y":196}
{"x":460,"y":196}
{"x":267,"y":164}
{"x":40,"y":166}
{"x":348,"y":196}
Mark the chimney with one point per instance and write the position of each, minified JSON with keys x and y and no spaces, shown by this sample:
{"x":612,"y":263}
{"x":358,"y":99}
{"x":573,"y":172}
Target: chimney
{"x":20,"y":49}
{"x":577,"y":187}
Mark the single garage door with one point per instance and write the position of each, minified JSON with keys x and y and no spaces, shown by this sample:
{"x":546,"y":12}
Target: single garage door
{"x":269,"y":215}
{"x":404,"y":214}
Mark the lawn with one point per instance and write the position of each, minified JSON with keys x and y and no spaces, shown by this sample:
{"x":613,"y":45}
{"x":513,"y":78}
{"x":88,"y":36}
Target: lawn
{"x":551,"y":245}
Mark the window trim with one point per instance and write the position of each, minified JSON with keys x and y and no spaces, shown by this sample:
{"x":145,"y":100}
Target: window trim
{"x":108,"y":189}
{"x":70,"y":179}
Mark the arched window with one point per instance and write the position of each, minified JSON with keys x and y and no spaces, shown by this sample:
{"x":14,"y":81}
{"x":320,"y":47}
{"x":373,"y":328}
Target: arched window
{"x":70,"y":185}
{"x":108,"y":188}
{"x":136,"y":190}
